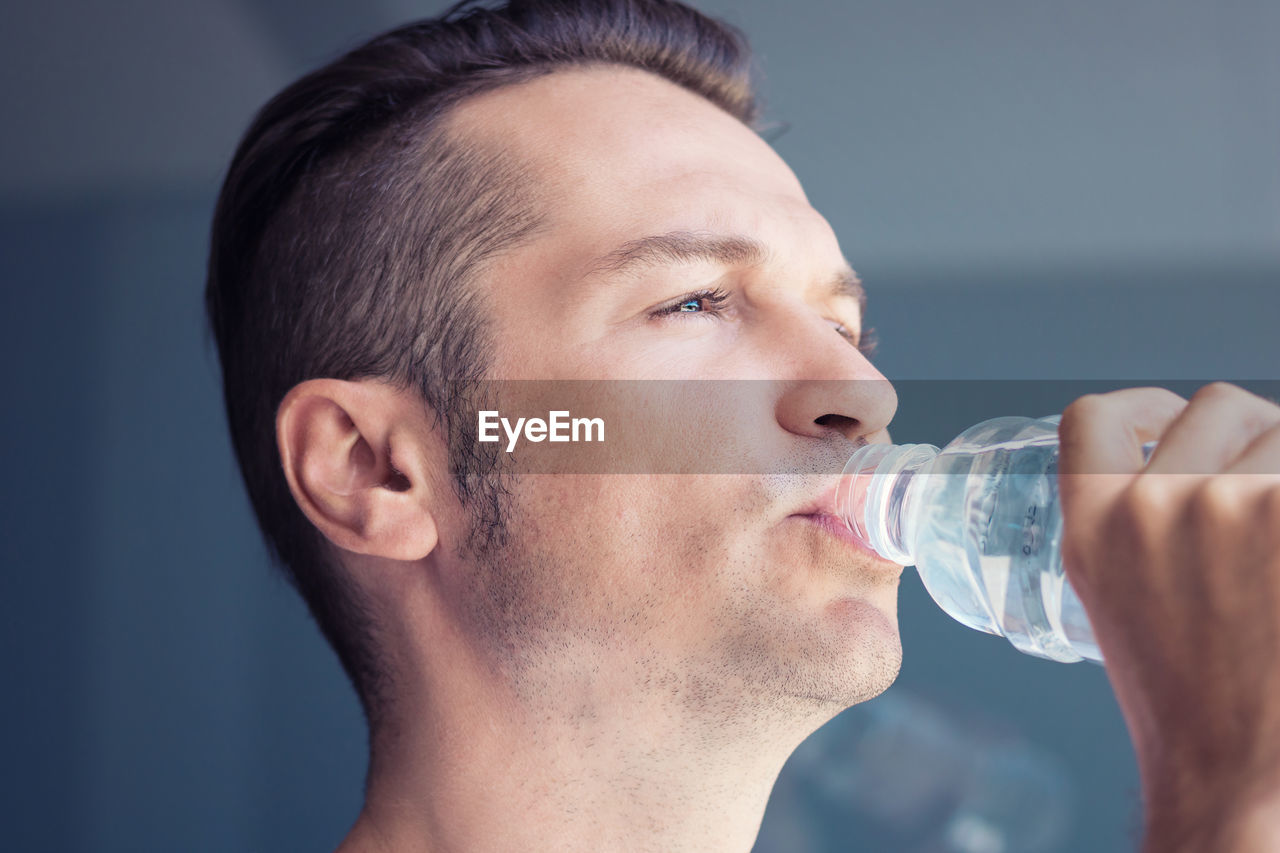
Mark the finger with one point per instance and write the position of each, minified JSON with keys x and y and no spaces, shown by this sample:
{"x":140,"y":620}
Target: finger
{"x":1262,"y":456}
{"x":1101,"y":438}
{"x":1104,"y":433}
{"x":1215,"y":428}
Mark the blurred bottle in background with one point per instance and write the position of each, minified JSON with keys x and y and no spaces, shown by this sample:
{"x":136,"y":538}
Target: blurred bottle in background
{"x":899,"y":773}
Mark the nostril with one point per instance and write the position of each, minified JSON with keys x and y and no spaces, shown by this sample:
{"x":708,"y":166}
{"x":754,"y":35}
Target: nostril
{"x":839,"y":422}
{"x":397,"y":482}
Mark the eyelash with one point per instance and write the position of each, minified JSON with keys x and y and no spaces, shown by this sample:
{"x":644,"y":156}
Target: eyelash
{"x":867,"y":345}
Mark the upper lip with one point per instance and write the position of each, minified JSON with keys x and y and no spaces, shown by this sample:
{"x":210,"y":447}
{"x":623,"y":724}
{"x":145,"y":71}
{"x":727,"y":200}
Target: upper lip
{"x":836,"y":455}
{"x":825,"y":504}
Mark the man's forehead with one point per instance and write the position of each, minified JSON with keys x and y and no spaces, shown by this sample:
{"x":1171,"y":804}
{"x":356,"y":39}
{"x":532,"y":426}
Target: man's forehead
{"x":599,"y":131}
{"x":630,"y":167}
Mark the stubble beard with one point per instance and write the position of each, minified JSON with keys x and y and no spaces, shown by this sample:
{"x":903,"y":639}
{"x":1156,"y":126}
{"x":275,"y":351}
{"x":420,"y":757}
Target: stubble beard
{"x":761,"y":670}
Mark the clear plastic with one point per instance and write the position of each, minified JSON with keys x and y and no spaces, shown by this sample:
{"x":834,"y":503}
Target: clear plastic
{"x":980,"y":521}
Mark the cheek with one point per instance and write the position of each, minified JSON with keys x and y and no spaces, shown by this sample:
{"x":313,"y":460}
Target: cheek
{"x":647,"y":536}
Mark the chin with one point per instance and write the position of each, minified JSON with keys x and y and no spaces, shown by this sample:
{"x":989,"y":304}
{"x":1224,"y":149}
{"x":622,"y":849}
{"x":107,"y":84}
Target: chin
{"x":869,"y":653}
{"x":838,"y":647}
{"x":853,"y":654}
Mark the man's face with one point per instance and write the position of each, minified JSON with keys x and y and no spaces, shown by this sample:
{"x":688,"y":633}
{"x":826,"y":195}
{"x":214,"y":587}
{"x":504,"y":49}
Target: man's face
{"x":713,"y":586}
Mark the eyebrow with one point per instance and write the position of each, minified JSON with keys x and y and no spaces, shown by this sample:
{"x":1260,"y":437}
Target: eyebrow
{"x":676,"y":247}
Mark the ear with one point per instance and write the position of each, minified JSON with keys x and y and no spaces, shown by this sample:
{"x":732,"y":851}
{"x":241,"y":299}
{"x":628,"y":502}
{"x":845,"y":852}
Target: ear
{"x":357,"y":458}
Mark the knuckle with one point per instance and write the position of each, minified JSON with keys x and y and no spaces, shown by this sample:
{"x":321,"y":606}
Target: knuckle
{"x":1217,"y":499}
{"x":1132,"y":529}
{"x":1144,"y":502}
{"x":1145,"y":494}
{"x":1175,"y":402}
{"x":1215,"y":391}
{"x":1082,"y":410}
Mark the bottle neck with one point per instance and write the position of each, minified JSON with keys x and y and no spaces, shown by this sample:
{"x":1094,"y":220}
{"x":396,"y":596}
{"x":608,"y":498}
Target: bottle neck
{"x":878,"y":495}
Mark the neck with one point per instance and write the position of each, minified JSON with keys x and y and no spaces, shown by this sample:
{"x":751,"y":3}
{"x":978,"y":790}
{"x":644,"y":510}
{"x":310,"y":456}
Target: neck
{"x":612,"y":757}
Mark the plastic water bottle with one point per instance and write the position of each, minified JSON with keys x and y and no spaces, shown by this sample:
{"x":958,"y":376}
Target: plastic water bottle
{"x":980,"y":521}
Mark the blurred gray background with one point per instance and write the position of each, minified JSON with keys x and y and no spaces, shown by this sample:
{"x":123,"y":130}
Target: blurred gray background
{"x":1070,"y":190}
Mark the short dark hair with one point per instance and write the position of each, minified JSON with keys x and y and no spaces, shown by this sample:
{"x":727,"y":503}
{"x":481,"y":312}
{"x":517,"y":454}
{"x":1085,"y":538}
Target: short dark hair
{"x":349,"y":226}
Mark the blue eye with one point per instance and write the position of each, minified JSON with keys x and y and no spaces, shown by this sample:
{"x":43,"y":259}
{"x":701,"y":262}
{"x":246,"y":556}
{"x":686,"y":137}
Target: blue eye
{"x":700,"y":302}
{"x":708,"y":302}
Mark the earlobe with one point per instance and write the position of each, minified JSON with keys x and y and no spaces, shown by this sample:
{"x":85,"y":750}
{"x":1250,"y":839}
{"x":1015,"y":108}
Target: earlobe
{"x":352,"y":456}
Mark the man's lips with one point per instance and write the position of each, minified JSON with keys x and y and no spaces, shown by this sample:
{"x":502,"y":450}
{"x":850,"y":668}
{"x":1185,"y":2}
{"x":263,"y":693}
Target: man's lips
{"x":837,"y":528}
{"x":822,"y":514}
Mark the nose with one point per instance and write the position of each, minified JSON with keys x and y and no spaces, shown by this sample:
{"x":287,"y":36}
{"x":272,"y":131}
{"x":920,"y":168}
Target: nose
{"x":859,"y":409}
{"x":851,"y":398}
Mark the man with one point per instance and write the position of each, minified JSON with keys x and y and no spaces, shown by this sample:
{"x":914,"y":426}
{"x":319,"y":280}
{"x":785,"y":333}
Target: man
{"x":610,"y":659}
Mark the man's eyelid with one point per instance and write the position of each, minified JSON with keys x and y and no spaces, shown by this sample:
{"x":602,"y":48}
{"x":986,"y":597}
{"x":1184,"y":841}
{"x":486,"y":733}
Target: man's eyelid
{"x":850,"y":317}
{"x":713,"y":294}
{"x":687,"y":286}
{"x":737,"y":284}
{"x":853,"y":334}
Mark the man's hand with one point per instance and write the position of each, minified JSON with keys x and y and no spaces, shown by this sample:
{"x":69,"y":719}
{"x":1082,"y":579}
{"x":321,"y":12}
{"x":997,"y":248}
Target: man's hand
{"x":1178,"y":567}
